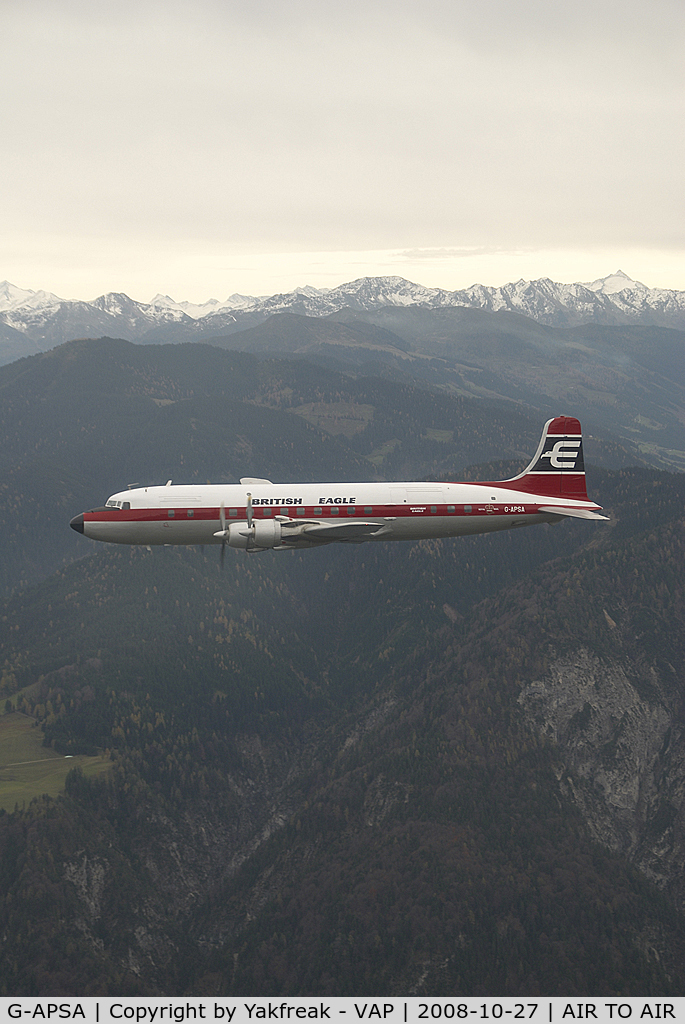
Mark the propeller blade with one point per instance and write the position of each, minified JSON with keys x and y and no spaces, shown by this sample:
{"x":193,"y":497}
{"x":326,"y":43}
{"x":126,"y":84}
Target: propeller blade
{"x":222,"y":520}
{"x":249,"y":511}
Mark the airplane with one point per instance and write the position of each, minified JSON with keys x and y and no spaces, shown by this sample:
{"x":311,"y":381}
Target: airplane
{"x":258,"y":515}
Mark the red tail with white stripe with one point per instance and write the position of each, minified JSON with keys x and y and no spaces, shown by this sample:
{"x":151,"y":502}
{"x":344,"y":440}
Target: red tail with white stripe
{"x":557,"y":469}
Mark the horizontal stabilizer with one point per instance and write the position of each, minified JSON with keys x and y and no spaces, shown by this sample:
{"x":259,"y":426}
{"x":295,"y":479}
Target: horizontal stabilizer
{"x":254,"y":480}
{"x":574,"y":513}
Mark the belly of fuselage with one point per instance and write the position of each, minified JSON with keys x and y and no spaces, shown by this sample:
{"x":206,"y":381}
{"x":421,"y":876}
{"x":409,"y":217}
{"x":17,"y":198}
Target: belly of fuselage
{"x":149,"y":533}
{"x":426,"y":527}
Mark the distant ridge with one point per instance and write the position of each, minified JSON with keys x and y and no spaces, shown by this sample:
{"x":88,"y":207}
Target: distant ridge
{"x":35,"y":320}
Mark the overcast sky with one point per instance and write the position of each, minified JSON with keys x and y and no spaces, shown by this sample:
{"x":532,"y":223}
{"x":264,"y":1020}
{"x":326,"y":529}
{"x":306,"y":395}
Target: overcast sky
{"x":207,"y":147}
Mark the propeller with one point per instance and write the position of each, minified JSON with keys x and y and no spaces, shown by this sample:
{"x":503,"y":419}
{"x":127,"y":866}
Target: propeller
{"x":249,"y":517}
{"x":222,"y":520}
{"x":223,"y":532}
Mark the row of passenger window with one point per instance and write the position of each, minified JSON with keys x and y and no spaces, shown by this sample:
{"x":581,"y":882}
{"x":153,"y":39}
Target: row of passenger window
{"x":334,"y":511}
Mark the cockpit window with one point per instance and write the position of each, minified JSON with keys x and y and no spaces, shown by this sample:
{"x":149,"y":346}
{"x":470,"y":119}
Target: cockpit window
{"x":117,"y":504}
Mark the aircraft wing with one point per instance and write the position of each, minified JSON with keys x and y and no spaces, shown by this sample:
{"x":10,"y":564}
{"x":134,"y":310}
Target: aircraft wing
{"x":573,"y":513}
{"x":340,"y":531}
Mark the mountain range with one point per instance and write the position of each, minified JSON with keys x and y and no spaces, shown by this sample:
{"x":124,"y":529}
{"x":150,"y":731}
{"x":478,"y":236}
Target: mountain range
{"x":32,"y":321}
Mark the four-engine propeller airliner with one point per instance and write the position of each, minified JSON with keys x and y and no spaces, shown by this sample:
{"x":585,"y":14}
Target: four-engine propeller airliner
{"x":258,"y":515}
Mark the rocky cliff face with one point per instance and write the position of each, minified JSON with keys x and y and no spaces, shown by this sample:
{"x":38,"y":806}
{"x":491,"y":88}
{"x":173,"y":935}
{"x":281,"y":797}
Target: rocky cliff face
{"x":621,"y":750}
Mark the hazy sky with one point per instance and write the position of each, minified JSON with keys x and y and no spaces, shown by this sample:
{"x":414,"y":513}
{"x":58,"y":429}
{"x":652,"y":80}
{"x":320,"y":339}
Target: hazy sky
{"x":214,"y":146}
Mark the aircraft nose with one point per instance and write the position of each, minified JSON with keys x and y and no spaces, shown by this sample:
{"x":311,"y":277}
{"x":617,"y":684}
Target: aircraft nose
{"x":77,"y":523}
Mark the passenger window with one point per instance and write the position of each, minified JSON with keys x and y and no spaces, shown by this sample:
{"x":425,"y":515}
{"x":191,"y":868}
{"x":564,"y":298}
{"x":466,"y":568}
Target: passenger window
{"x":351,"y":510}
{"x":190,"y":513}
{"x":233,"y":512}
{"x":368,"y":510}
{"x":467,"y":508}
{"x":301,"y":511}
{"x":434,"y":509}
{"x":171,"y":513}
{"x":317,"y":511}
{"x":335,"y":511}
{"x":450,"y":508}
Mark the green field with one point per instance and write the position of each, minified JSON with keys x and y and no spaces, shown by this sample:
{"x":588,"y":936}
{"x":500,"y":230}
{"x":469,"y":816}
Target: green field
{"x":28,"y":769}
{"x":346,"y":418}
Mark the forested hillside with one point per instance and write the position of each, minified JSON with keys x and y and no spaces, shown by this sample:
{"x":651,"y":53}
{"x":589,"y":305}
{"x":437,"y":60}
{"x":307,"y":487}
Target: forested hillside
{"x":628,"y":380}
{"x":444,"y":767}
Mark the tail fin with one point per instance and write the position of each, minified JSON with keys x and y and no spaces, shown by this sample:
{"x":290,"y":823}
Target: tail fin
{"x":557,"y":469}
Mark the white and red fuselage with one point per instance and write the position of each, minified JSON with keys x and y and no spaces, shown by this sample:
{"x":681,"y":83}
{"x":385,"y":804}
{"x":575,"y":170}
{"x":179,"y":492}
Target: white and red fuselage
{"x":257,"y":515}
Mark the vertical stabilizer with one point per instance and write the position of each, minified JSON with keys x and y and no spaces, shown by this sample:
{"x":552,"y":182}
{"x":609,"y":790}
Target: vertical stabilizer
{"x":557,"y":469}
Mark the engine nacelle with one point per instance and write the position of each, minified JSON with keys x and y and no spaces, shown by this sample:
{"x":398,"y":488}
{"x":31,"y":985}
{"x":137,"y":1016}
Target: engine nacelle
{"x":235,"y":538}
{"x":265,"y":533}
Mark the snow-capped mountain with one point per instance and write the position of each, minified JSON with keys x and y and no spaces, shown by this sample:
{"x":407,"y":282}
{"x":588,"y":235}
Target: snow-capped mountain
{"x":45,"y":320}
{"x":197,"y":312}
{"x":12,"y":297}
{"x":615,"y":283}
